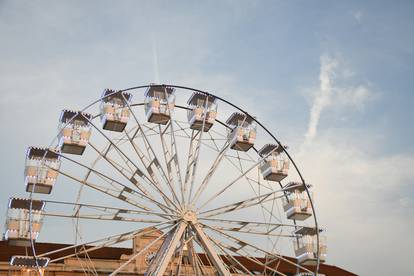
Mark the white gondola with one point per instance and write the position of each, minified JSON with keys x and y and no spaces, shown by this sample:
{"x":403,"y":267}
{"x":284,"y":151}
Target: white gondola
{"x":201,"y":106}
{"x":18,"y":221}
{"x":275,"y":166}
{"x":159,"y":103}
{"x":41,"y":169}
{"x":74,"y":131}
{"x":243,"y":131}
{"x":306,"y":246}
{"x":296,"y":204}
{"x":114,"y":110}
{"x":29,"y":261}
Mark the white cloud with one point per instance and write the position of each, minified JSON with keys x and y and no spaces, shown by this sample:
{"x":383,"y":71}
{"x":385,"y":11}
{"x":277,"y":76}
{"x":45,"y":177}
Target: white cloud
{"x":363,"y":201}
{"x":358,"y":15}
{"x":334,"y":91}
{"x":354,"y":96}
{"x":323,"y":98}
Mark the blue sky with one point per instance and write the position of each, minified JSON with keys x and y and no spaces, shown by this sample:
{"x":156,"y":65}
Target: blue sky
{"x":332,"y":79}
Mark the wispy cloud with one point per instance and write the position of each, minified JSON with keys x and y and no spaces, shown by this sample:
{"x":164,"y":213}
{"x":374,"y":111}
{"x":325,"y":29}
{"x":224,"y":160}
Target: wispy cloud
{"x":331,"y":93}
{"x":369,"y":193}
{"x":323,"y":98}
{"x":337,"y":162}
{"x":155,"y":59}
{"x":358,"y":15}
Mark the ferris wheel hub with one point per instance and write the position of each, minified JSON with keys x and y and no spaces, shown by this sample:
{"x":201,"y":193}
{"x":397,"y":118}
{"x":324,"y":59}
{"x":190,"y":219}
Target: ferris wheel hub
{"x":189,"y":216}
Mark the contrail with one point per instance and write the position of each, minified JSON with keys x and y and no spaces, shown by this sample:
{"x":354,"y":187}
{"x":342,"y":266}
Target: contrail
{"x":323,"y":97}
{"x":155,"y":59}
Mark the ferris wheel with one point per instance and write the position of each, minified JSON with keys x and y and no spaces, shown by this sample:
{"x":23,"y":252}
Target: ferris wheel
{"x":219,"y":192}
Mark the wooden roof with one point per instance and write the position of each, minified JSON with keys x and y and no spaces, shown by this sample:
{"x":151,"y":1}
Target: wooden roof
{"x":292,"y":186}
{"x":304,"y":230}
{"x":236,"y":117}
{"x":266,"y":149}
{"x":196,"y":96}
{"x":114,"y":253}
{"x":158,"y":88}
{"x":109,"y":94}
{"x":74,"y":115}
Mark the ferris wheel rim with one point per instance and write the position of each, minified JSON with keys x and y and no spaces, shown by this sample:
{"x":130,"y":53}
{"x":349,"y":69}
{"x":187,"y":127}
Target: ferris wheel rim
{"x":232,"y":105}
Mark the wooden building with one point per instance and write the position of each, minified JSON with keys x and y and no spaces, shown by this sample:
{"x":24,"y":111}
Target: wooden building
{"x":105,"y":260}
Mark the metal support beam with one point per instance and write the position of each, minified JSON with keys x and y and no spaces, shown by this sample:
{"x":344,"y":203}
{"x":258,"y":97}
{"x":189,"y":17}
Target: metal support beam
{"x":208,"y":248}
{"x":165,"y":253}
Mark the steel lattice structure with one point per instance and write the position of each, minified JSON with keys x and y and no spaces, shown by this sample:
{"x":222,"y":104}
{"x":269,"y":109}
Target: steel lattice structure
{"x":205,"y":172}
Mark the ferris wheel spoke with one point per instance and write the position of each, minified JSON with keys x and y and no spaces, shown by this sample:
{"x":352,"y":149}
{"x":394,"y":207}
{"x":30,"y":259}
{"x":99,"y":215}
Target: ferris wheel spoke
{"x":105,"y":217}
{"x":101,"y":243}
{"x":210,"y":172}
{"x":119,"y":187}
{"x":203,"y":141}
{"x":251,"y":202}
{"x":154,"y":165}
{"x":244,"y":174}
{"x":192,"y":160}
{"x":232,"y":259}
{"x":234,"y":181}
{"x":114,"y":183}
{"x":174,"y":158}
{"x":209,"y":250}
{"x":243,"y":245}
{"x":193,"y":156}
{"x":134,"y":256}
{"x":240,"y":224}
{"x":199,"y":262}
{"x":252,"y":259}
{"x":217,"y":148}
{"x":85,"y":250}
{"x":134,"y":173}
{"x":184,"y":243}
{"x":163,"y":257}
{"x":253,"y":232}
{"x":106,"y":209}
{"x":241,"y":252}
{"x":150,"y":166}
{"x":138,"y":171}
{"x":177,"y":133}
{"x":121,"y":195}
{"x":145,"y":194}
{"x":179,"y":261}
{"x":123,"y":171}
{"x":182,"y":129}
{"x":218,"y":133}
{"x":150,"y":130}
{"x":193,"y":257}
{"x":264,"y":209}
{"x":128,"y":167}
{"x":171,"y":157}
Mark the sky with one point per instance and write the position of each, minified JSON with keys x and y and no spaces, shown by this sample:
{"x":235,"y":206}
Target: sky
{"x":332,"y":79}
